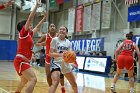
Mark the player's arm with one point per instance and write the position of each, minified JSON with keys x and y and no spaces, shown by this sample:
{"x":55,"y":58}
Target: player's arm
{"x":117,"y":51}
{"x":31,"y":16}
{"x":40,"y":23}
{"x":9,"y":3}
{"x":41,"y":41}
{"x":52,"y":52}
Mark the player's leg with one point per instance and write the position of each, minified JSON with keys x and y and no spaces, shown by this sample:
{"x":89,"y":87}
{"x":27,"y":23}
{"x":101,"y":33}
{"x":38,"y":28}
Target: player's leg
{"x":120,"y":67}
{"x":130,"y":70}
{"x":71,"y":78}
{"x":48,"y":74}
{"x":62,"y":83}
{"x":55,"y":75}
{"x":21,"y":84}
{"x":30,"y":76}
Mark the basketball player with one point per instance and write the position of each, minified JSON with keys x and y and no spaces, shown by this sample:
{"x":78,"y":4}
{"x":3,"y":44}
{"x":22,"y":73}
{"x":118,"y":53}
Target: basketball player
{"x":9,"y":3}
{"x":126,"y":60}
{"x":45,"y":41}
{"x":58,"y":46}
{"x":24,"y":52}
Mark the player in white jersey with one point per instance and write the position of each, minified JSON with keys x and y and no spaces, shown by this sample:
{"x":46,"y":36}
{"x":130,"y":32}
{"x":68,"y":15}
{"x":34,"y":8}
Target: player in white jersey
{"x":57,"y":48}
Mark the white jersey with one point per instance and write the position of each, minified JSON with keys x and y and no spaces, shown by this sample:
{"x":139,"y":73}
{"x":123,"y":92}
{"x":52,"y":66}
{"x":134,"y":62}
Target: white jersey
{"x":60,"y":46}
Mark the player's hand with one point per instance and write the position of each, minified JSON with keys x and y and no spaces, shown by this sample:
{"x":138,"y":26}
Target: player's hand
{"x":45,"y":14}
{"x":115,"y":60}
{"x":37,"y":2}
{"x":9,"y":3}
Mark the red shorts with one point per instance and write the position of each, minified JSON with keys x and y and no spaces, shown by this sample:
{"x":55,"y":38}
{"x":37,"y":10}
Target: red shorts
{"x":48,"y":59}
{"x":21,"y":65}
{"x":125,"y":62}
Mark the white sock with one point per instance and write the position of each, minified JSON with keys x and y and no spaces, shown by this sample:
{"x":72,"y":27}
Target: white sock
{"x":131,"y":89}
{"x":112,"y":84}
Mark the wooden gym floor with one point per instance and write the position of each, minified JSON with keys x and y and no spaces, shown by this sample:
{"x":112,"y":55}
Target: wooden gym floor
{"x":87,"y":83}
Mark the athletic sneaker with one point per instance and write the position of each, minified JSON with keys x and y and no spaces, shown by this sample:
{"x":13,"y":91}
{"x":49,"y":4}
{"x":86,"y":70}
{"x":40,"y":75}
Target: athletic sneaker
{"x":63,"y":90}
{"x":131,"y":90}
{"x":112,"y":88}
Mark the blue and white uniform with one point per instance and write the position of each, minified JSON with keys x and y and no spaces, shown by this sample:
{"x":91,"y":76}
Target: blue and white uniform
{"x":60,"y":46}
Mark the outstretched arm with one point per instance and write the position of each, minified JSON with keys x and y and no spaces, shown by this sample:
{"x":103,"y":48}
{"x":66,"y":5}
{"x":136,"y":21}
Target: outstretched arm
{"x":9,"y":3}
{"x":31,"y":16}
{"x":40,"y":23}
{"x":41,"y":41}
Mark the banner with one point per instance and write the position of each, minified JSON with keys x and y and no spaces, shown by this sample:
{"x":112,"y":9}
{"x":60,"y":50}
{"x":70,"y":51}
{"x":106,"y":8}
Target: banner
{"x":53,"y":6}
{"x":95,"y":19}
{"x":67,"y":0}
{"x":79,"y":18}
{"x":128,"y":2}
{"x":60,"y":1}
{"x":94,"y":44}
{"x":87,"y":18}
{"x":106,"y":14}
{"x":134,"y":13}
{"x":71,"y":19}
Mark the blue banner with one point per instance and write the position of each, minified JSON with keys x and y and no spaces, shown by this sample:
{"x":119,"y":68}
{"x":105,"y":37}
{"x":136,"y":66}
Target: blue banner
{"x":66,"y":0}
{"x":134,"y":13}
{"x":94,"y":44}
{"x":136,"y":39}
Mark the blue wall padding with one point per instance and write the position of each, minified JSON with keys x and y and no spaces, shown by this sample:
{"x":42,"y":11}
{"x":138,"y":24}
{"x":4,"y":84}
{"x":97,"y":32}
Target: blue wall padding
{"x":8,"y":49}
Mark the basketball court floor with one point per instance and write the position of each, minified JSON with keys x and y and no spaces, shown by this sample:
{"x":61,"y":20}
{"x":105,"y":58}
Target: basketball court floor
{"x":87,"y":83}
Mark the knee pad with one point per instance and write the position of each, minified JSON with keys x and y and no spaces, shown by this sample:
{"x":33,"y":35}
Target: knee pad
{"x":61,"y":76}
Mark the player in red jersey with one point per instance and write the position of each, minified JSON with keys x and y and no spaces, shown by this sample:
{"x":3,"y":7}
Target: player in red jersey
{"x":125,"y":60}
{"x":24,"y":52}
{"x":9,"y":3}
{"x":45,"y":41}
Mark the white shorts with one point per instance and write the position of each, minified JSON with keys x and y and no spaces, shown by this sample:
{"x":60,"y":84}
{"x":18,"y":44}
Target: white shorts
{"x":59,"y":63}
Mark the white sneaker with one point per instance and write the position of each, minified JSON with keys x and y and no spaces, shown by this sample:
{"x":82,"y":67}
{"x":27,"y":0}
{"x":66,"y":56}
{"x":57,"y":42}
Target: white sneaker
{"x":112,"y":88}
{"x":131,"y":90}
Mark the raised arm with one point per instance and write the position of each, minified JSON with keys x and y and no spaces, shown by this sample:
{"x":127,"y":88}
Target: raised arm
{"x":31,"y":16}
{"x":9,"y":3}
{"x":41,"y":41}
{"x":40,"y":23}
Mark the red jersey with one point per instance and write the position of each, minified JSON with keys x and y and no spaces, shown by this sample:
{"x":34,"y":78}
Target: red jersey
{"x":48,"y":42}
{"x":25,"y":43}
{"x":127,"y":48}
{"x":2,"y":7}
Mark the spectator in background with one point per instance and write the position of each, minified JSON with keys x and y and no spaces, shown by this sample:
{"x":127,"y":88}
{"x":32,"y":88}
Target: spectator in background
{"x":9,"y":3}
{"x":94,"y":53}
{"x":100,"y":54}
{"x":81,"y":52}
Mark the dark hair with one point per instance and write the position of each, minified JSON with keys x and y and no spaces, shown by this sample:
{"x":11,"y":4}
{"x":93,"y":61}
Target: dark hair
{"x":66,"y":29}
{"x":129,"y":35}
{"x":67,"y":32}
{"x":21,"y":24}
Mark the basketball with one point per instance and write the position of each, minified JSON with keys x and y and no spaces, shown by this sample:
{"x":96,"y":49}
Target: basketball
{"x":69,"y":56}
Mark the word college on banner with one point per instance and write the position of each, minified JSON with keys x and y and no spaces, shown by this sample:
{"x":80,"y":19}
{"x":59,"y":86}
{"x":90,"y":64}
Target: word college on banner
{"x":94,"y":44}
{"x":134,"y":13}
